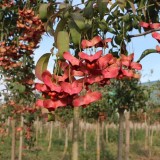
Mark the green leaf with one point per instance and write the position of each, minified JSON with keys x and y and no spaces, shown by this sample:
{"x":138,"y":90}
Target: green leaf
{"x":146,"y":52}
{"x":60,"y":27}
{"x":51,"y":117}
{"x":75,"y":33}
{"x":103,"y":25}
{"x":41,"y":65}
{"x":21,"y":88}
{"x":88,"y":10}
{"x":62,"y":43}
{"x":113,"y":5}
{"x":45,"y":11}
{"x":79,"y":20}
{"x":121,"y":4}
{"x":102,"y":8}
{"x":131,"y":2}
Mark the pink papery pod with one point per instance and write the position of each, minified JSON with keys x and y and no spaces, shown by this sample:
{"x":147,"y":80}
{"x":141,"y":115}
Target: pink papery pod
{"x":111,"y":71}
{"x":156,"y":35}
{"x":103,"y":43}
{"x":129,"y":57}
{"x":144,"y":24}
{"x":74,"y":61}
{"x":87,"y":99}
{"x":77,"y":73}
{"x":104,"y":60}
{"x":135,"y":65}
{"x":136,"y":75}
{"x":47,"y":79}
{"x":52,"y":105}
{"x":95,"y":40}
{"x":90,"y":58}
{"x":154,"y":25}
{"x":63,"y":77}
{"x":39,"y":103}
{"x":128,"y":73}
{"x":86,"y":43}
{"x":72,"y":88}
{"x":158,"y":48}
{"x":94,"y":79}
{"x":41,"y":87}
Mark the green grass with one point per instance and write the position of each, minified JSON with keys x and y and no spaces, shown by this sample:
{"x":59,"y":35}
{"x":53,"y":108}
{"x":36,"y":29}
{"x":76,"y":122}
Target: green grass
{"x":108,"y":152}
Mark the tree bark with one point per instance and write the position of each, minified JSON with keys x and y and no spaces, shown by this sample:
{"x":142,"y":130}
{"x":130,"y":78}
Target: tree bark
{"x":106,"y":133}
{"x":66,"y":143}
{"x":146,"y":134}
{"x":98,"y":140}
{"x":120,"y":136}
{"x":127,"y":147}
{"x":85,"y":136}
{"x":21,"y":139}
{"x":37,"y":130}
{"x":59,"y":131}
{"x":50,"y":137}
{"x":13,"y":139}
{"x":75,"y":134}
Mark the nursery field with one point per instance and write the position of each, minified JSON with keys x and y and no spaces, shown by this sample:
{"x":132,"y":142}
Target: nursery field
{"x":142,"y":146}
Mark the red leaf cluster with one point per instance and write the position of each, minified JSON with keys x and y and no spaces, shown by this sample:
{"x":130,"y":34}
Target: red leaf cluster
{"x":149,"y":25}
{"x":156,"y":35}
{"x":29,"y":31}
{"x":66,"y":88}
{"x":96,"y":42}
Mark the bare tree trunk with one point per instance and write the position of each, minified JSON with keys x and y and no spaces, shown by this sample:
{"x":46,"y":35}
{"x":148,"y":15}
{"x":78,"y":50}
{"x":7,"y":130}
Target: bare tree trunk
{"x":127,"y":147}
{"x":13,"y":139}
{"x":151,"y":136}
{"x":21,"y":139}
{"x":48,"y":131}
{"x":98,"y":140}
{"x":8,"y":125}
{"x":59,"y":131}
{"x":106,"y":133}
{"x":85,"y":136}
{"x":41,"y":128}
{"x":50,"y":136}
{"x":146,"y":134}
{"x":120,"y":136}
{"x":75,"y":134}
{"x":37,"y":130}
{"x":66,"y":143}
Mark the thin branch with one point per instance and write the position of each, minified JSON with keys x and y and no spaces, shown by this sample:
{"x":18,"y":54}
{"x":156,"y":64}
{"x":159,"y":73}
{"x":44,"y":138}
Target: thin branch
{"x":145,"y":33}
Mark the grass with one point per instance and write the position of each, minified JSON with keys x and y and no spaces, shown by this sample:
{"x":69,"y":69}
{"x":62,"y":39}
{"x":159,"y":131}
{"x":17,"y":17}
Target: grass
{"x":108,"y":152}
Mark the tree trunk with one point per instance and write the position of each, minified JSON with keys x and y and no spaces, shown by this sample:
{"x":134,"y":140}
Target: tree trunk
{"x":50,"y":136}
{"x":85,"y":136}
{"x":146,"y":134}
{"x":127,"y":147}
{"x":8,"y":126}
{"x":106,"y":133}
{"x":13,"y":139}
{"x":37,"y":130}
{"x":98,"y":140}
{"x":75,"y":134}
{"x":120,"y":136}
{"x":59,"y":131}
{"x":21,"y":140}
{"x":66,"y":143}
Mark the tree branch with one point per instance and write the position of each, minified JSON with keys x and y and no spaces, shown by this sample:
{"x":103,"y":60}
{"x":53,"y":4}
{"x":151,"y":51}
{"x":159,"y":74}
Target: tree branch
{"x":145,"y":33}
